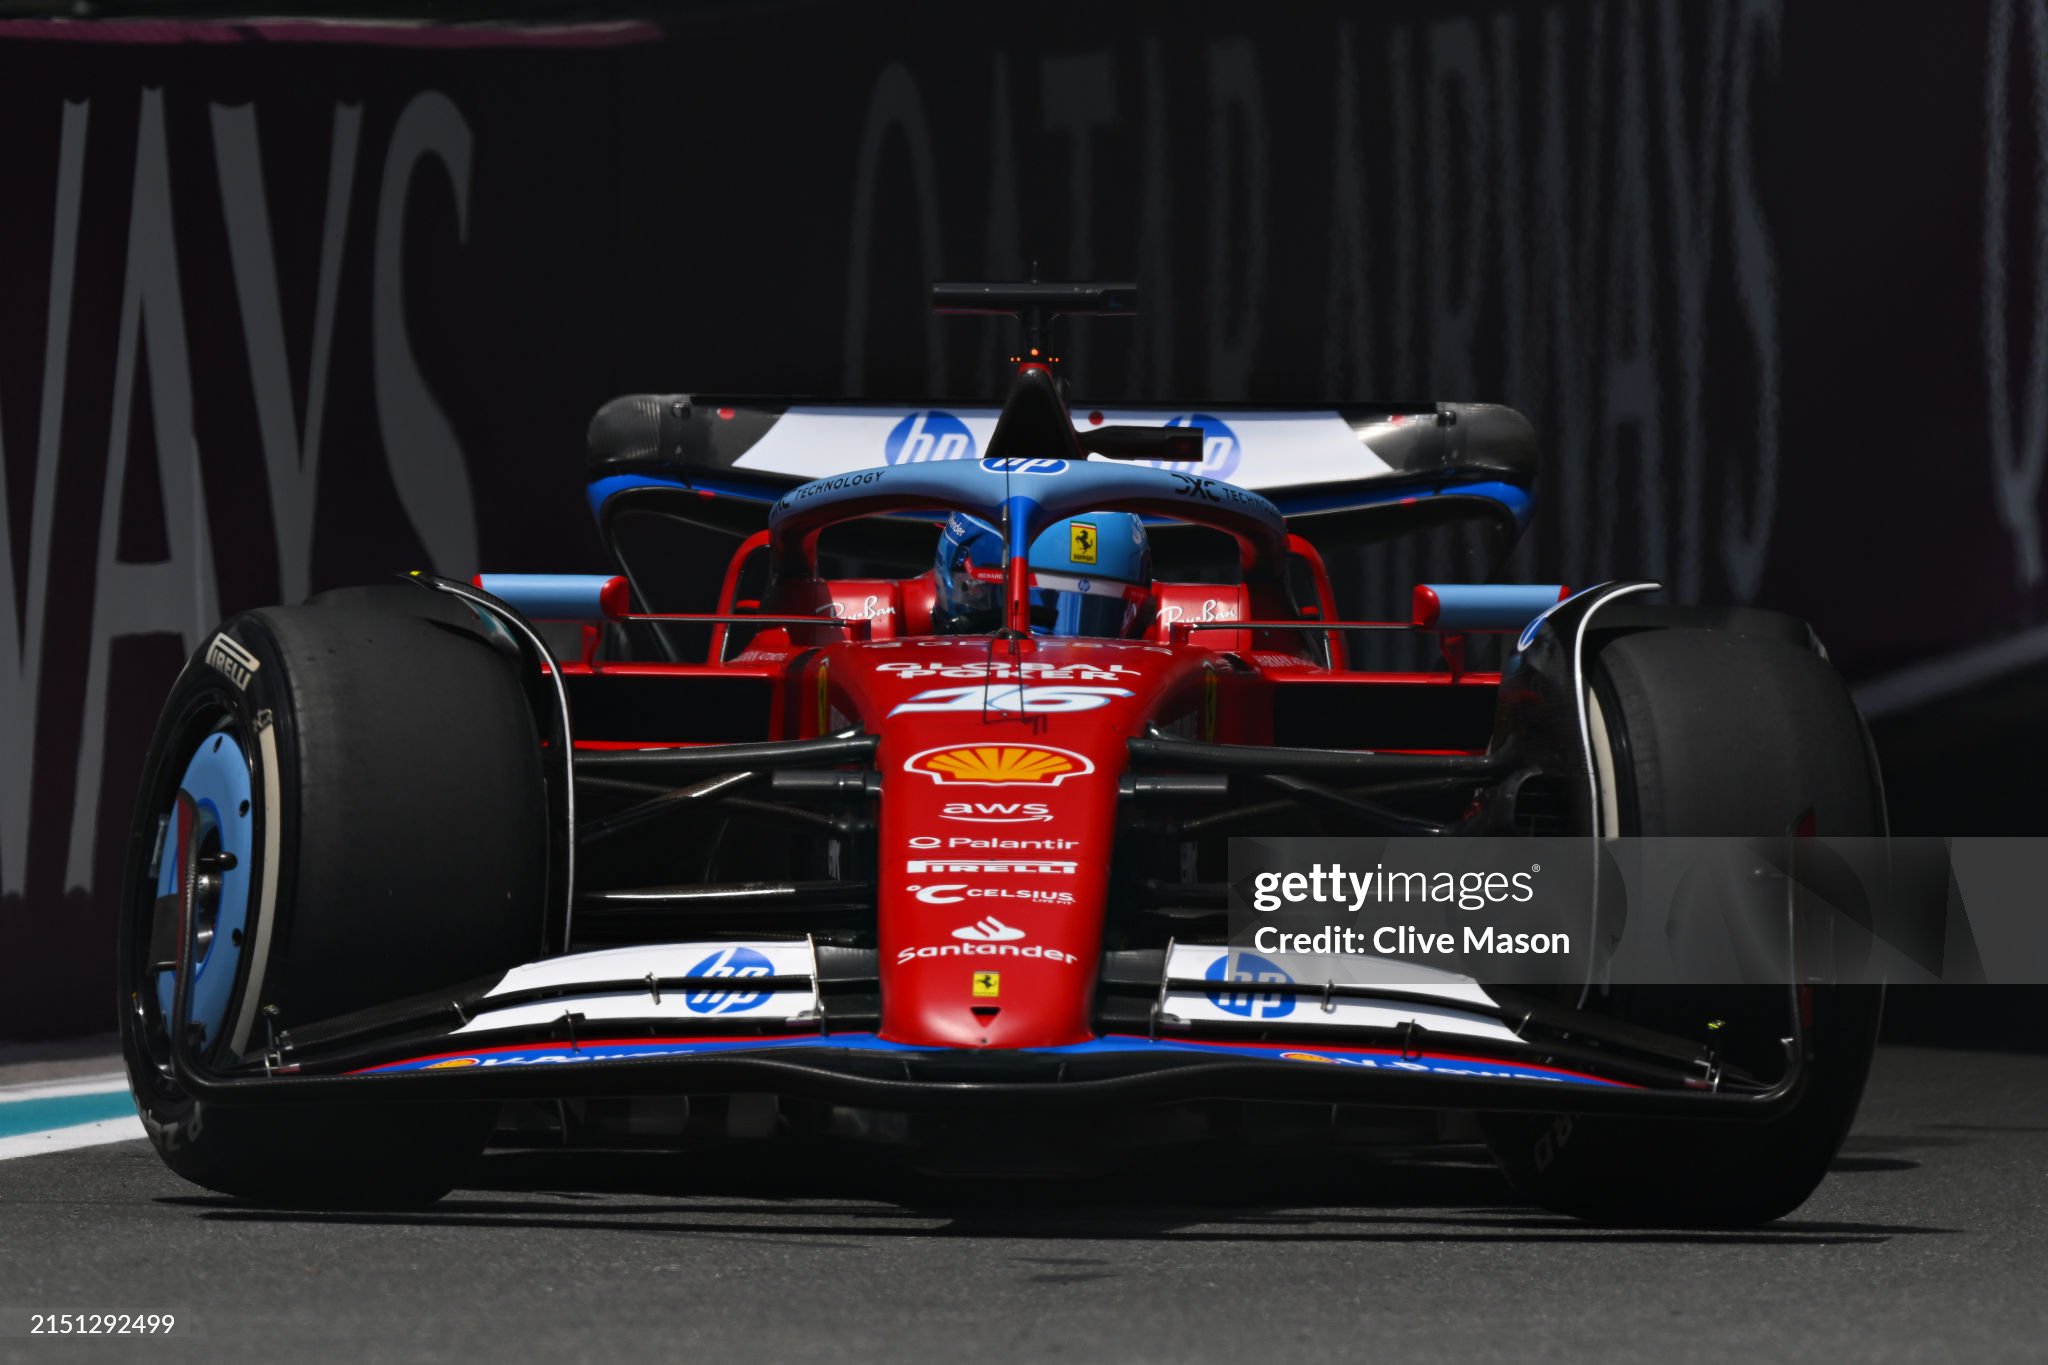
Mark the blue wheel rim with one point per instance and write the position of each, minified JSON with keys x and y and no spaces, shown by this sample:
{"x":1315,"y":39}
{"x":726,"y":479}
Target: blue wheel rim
{"x":216,"y":779}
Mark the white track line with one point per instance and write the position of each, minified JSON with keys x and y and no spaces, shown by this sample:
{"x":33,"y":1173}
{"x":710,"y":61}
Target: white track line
{"x":125,"y":1129}
{"x":1931,"y":679}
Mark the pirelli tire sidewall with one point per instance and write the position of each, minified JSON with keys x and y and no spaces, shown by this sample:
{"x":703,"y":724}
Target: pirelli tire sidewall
{"x":401,"y":847}
{"x":1717,"y":732}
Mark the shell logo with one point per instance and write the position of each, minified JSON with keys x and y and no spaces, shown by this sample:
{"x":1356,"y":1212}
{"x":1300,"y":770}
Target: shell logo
{"x":998,"y":765}
{"x":451,"y":1063}
{"x":1306,"y":1057}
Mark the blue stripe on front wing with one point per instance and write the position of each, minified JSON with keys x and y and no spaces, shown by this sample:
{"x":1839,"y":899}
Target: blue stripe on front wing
{"x":1329,"y":1053}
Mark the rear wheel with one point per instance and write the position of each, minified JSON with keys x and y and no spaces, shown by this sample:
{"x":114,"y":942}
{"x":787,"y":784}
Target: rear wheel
{"x":1711,"y":732}
{"x":346,"y":807}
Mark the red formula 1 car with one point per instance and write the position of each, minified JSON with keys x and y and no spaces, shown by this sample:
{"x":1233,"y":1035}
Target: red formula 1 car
{"x":917,"y":833}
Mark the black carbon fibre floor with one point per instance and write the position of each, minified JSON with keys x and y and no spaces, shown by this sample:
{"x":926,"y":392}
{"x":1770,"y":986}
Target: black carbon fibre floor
{"x":1930,"y":1241}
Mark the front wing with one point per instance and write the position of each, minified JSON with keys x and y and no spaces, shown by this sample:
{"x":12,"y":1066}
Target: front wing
{"x":793,"y":1017}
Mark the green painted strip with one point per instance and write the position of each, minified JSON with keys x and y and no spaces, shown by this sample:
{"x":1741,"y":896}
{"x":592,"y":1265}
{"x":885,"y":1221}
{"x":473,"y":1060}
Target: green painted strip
{"x":63,"y":1111}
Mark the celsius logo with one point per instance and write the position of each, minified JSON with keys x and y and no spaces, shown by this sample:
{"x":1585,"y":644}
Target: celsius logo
{"x":1250,"y":970}
{"x":737,"y":961}
{"x":926,"y":436}
{"x":1221,"y":449}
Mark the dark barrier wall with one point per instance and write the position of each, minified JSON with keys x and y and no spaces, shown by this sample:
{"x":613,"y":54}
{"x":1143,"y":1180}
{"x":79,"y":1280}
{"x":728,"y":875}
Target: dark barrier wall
{"x":284,"y":306}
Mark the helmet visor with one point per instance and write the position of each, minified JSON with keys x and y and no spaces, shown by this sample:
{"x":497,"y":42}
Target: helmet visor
{"x":1069,"y":605}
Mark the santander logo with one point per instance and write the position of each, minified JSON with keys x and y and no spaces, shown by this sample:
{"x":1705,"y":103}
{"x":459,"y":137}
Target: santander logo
{"x":990,"y":930}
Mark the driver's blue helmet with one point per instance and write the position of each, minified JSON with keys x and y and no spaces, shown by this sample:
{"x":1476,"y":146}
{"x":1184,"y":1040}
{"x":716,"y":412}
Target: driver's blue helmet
{"x":969,"y":577}
{"x":1090,"y":576}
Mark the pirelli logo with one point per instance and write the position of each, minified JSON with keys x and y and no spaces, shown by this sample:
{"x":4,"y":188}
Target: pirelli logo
{"x":233,"y":661}
{"x":1056,"y":867}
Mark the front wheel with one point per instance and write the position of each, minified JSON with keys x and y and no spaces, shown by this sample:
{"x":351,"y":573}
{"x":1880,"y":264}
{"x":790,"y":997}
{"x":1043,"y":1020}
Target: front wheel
{"x":1716,"y":732}
{"x":341,"y":808}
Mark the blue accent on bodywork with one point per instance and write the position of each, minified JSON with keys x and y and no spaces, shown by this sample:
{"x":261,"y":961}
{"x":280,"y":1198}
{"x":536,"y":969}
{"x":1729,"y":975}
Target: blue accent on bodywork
{"x":1327,"y":1052}
{"x":529,"y":1054}
{"x":1332,"y":1053}
{"x":1017,"y":517}
{"x":1514,"y":499}
{"x":962,"y":486}
{"x":1520,"y":504}
{"x":550,"y":596}
{"x":602,"y":490}
{"x":1491,"y":606}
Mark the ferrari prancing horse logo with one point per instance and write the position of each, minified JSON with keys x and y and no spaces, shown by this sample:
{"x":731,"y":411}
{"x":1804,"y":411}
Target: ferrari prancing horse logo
{"x":988,"y":984}
{"x":1083,"y":542}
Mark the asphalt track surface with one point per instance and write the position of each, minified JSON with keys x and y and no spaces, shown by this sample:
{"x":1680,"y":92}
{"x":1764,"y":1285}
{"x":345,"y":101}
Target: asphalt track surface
{"x":1930,"y":1241}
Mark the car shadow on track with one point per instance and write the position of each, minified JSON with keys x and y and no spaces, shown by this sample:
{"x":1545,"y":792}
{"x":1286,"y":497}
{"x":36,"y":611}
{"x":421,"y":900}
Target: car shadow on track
{"x":1442,"y":1195}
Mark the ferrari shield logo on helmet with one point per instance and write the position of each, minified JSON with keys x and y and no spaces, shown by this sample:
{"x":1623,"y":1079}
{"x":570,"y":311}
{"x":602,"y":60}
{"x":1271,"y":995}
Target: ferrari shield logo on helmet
{"x":998,"y":765}
{"x":1083,"y":542}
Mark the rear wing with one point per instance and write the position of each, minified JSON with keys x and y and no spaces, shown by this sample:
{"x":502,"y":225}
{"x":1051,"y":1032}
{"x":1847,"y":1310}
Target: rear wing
{"x":1313,"y":461}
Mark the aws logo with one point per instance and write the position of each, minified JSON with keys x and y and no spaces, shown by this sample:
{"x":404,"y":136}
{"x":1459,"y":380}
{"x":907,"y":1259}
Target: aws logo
{"x":1221,"y":450}
{"x":997,"y":812}
{"x":926,"y":436}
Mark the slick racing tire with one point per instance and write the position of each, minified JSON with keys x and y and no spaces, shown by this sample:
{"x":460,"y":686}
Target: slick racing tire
{"x":352,"y":803}
{"x":1714,"y":732}
{"x":402,"y":599}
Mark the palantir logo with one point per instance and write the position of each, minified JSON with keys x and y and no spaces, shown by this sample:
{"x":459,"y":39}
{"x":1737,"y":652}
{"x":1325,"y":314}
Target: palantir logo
{"x":1249,"y":969}
{"x":923,"y":437}
{"x":738,"y":961}
{"x":1221,"y":449}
